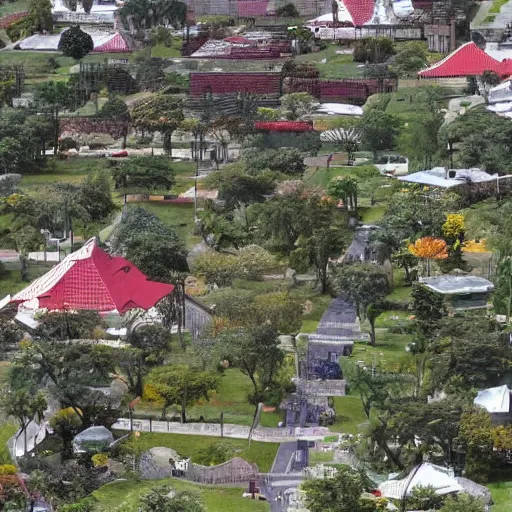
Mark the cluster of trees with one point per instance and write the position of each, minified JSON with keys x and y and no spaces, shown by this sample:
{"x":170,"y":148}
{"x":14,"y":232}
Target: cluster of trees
{"x":62,"y":207}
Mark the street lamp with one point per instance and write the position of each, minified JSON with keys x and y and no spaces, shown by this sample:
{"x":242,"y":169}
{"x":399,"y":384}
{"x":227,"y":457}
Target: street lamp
{"x":46,"y":235}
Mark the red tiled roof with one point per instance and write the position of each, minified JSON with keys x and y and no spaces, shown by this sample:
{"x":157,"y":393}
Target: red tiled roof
{"x":226,"y":83}
{"x":467,"y":60}
{"x":252,"y":7}
{"x":92,"y":279}
{"x":283,"y":126}
{"x":115,"y":45}
{"x":360,"y":10}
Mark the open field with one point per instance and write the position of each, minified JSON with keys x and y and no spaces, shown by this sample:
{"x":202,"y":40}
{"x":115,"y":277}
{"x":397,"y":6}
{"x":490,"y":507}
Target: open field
{"x":230,"y":399}
{"x":336,"y":66}
{"x":124,"y":495}
{"x":261,"y":454}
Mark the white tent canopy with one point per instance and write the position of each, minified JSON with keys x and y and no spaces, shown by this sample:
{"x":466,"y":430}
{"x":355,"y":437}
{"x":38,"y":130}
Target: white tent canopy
{"x":494,"y":400}
{"x":339,"y":108}
{"x":441,"y":479}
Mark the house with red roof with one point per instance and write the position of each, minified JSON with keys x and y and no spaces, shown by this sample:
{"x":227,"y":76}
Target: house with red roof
{"x":467,"y":60}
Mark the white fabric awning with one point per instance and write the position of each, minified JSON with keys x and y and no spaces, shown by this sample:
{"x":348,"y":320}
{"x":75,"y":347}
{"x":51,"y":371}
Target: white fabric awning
{"x":494,"y":400}
{"x":427,"y":475}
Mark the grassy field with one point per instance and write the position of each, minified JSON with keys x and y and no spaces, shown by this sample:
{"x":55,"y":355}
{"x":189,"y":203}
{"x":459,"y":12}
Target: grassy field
{"x":12,"y":7}
{"x":336,"y":66}
{"x":231,"y":399}
{"x":261,"y":454}
{"x":12,"y":283}
{"x":124,"y":495}
{"x":349,"y":415}
{"x":7,"y":430}
{"x":501,"y":495}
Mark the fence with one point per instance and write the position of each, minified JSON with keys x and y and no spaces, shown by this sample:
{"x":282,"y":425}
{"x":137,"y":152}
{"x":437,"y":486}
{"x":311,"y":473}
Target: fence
{"x":263,"y":434}
{"x":104,"y":18}
{"x":236,"y":471}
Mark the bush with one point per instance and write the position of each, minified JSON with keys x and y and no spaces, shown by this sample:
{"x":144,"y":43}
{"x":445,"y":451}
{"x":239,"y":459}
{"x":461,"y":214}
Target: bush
{"x":20,"y":29}
{"x":214,"y":454}
{"x":373,"y":50}
{"x":99,"y":460}
{"x":8,"y":469}
{"x":288,"y":11}
{"x":75,"y":43}
{"x":248,"y":263}
{"x":10,"y":333}
{"x":86,"y":505}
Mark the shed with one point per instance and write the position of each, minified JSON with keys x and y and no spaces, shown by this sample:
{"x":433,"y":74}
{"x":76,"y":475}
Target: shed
{"x":93,"y":439}
{"x":461,"y":292}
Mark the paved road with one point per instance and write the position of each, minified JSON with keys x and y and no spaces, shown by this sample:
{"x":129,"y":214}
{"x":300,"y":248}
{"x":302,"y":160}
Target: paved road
{"x":340,"y":319}
{"x":283,"y":456}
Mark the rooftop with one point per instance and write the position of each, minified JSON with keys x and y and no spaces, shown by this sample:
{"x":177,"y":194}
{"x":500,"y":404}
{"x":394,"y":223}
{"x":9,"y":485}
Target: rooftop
{"x":448,"y":178}
{"x":494,"y":400}
{"x":451,"y":285}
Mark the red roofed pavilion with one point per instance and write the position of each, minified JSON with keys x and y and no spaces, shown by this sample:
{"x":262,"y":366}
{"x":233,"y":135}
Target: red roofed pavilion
{"x":92,"y":279}
{"x":467,"y":60}
{"x":360,"y":10}
{"x":115,"y":45}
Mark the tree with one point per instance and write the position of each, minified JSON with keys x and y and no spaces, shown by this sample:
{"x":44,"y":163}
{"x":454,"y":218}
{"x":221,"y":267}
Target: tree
{"x":151,"y":13}
{"x":339,"y":494}
{"x":149,"y":345}
{"x":150,"y":174}
{"x":95,"y":196}
{"x":255,"y":350}
{"x":10,"y":154}
{"x":429,"y":248}
{"x":116,"y":109}
{"x":410,"y":59}
{"x":278,"y":309}
{"x":363,"y":284}
{"x":70,"y":369}
{"x":40,"y":15}
{"x":179,"y":385}
{"x":159,"y":256}
{"x":75,"y":43}
{"x":249,"y":262}
{"x":463,"y":503}
{"x":25,"y":406}
{"x":287,"y":11}
{"x":149,"y":71}
{"x":159,"y":113}
{"x":298,"y":105}
{"x":289,"y":161}
{"x":378,"y":130}
{"x":164,"y":499}
{"x":69,"y":325}
{"x":344,"y":188}
{"x":66,"y":423}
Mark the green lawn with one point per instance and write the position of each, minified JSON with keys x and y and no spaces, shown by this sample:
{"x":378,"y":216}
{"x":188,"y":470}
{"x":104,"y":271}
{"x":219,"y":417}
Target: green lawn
{"x":7,"y":430}
{"x":124,"y":495}
{"x":68,"y":171}
{"x":12,"y":7}
{"x":231,"y":399}
{"x":164,"y":52}
{"x":179,"y":217}
{"x":501,"y":495}
{"x":337,"y":66}
{"x":12,"y":283}
{"x":261,"y":454}
{"x":349,"y":415}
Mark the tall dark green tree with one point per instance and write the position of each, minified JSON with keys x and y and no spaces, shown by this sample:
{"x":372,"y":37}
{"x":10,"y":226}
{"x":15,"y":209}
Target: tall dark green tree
{"x":75,"y":43}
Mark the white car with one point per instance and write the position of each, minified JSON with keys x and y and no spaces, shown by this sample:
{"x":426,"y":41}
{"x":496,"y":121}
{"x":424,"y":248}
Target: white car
{"x":393,"y":165}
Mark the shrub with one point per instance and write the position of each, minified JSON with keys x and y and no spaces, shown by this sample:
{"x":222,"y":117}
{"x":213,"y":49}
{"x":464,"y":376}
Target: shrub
{"x":99,"y":460}
{"x":8,"y":469}
{"x":75,"y":43}
{"x":10,"y":333}
{"x":214,"y":454}
{"x":288,"y":11}
{"x":373,"y":49}
{"x":248,"y":263}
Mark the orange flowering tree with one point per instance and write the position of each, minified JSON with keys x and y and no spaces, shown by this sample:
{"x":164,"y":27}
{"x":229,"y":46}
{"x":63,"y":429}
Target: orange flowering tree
{"x":429,"y":248}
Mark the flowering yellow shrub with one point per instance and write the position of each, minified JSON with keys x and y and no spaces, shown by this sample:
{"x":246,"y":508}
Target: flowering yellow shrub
{"x":454,"y":225}
{"x":429,"y":248}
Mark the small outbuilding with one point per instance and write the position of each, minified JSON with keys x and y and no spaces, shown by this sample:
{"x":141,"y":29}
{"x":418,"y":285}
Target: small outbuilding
{"x":93,"y":440}
{"x":461,"y":292}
